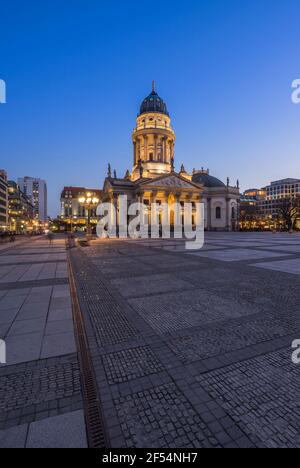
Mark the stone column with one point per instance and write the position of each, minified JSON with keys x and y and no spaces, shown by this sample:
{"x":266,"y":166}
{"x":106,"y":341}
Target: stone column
{"x":169,"y":153}
{"x":135,"y":152}
{"x":153,"y":197}
{"x":209,"y":226}
{"x":145,"y":148}
{"x":140,"y":197}
{"x":189,"y":200}
{"x":114,"y":214}
{"x":178,"y":225}
{"x":160,"y":149}
{"x":166,"y":216}
{"x":171,"y":150}
{"x":155,"y":147}
{"x":154,"y":215}
{"x":228,"y":215}
{"x":198,"y":217}
{"x":138,"y":156}
{"x":164,"y":156}
{"x":237,"y":222}
{"x":122,"y":217}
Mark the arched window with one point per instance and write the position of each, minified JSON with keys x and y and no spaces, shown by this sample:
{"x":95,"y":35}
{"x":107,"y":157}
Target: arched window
{"x":233,"y":212}
{"x":151,"y":157}
{"x":218,"y":213}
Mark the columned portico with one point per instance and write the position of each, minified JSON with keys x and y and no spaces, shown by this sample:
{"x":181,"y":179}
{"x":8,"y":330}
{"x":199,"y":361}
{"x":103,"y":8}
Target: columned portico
{"x":228,"y":215}
{"x":208,"y":211}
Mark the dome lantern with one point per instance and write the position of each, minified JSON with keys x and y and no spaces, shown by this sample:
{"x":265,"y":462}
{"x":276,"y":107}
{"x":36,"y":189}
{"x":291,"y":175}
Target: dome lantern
{"x":153,"y":103}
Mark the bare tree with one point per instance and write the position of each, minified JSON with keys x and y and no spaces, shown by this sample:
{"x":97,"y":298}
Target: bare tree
{"x":289,"y":211}
{"x":248,"y":216}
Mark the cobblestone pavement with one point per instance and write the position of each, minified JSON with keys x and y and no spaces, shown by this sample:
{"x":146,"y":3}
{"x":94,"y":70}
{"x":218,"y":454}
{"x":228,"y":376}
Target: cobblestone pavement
{"x":262,"y":397}
{"x":194,"y":349}
{"x":39,"y":390}
{"x":40,"y":387}
{"x":189,"y":349}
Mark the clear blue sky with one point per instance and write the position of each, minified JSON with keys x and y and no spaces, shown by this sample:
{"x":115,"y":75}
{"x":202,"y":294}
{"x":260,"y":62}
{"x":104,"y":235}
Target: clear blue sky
{"x":77,"y":70}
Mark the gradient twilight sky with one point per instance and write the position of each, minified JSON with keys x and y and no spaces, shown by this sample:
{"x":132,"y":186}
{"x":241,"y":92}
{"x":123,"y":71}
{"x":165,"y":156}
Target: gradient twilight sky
{"x":77,"y":71}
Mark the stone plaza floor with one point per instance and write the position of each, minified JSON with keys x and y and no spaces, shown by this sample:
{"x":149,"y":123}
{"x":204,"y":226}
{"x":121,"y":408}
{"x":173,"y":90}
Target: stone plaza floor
{"x":40,"y":388}
{"x":189,"y":348}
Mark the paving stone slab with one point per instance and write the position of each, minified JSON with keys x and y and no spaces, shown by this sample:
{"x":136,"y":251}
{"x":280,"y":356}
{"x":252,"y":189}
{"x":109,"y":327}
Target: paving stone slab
{"x":13,"y":285}
{"x":59,"y":326}
{"x":287,"y":266}
{"x":12,"y":302}
{"x":60,"y":302}
{"x":59,"y":314}
{"x":17,"y":292}
{"x":23,"y":348}
{"x":236,"y":255}
{"x":64,"y":431}
{"x":8,"y":316}
{"x":58,"y":344}
{"x":4,"y":327}
{"x":14,"y":437}
{"x":23,"y":327}
{"x":37,"y":310}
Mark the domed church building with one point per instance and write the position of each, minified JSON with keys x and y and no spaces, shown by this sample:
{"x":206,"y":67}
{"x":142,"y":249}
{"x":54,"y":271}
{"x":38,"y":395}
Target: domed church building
{"x":153,"y":178}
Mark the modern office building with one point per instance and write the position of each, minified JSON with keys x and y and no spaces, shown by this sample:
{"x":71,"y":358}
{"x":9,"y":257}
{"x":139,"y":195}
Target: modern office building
{"x":262,"y":208}
{"x":285,"y":188}
{"x":36,"y":190}
{"x":20,"y":210}
{"x":277,"y":192}
{"x":257,"y":194}
{"x":3,"y":201}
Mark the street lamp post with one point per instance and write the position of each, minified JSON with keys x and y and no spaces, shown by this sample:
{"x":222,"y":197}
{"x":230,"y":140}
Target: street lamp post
{"x":89,"y":201}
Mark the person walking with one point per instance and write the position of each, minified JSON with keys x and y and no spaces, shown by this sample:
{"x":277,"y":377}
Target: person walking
{"x":50,"y":237}
{"x":71,"y":239}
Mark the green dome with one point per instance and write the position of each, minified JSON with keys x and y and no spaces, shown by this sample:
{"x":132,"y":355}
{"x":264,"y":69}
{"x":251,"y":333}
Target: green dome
{"x":207,"y":180}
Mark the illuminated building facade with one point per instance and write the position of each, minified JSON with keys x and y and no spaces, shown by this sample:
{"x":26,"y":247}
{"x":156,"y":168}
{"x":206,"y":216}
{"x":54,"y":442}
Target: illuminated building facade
{"x":20,"y":210}
{"x":262,"y":208}
{"x":3,"y":201}
{"x":153,"y":178}
{"x":36,"y":190}
{"x":73,"y":214}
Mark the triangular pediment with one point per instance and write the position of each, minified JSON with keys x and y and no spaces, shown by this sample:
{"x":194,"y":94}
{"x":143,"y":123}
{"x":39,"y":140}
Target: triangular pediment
{"x":171,"y":181}
{"x":117,"y":183}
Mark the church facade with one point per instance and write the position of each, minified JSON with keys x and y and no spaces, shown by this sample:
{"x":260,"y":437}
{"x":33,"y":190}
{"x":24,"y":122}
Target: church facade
{"x":153,"y":178}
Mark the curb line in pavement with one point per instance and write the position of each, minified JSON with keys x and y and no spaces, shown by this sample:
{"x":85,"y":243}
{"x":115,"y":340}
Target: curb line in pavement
{"x":92,"y":407}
